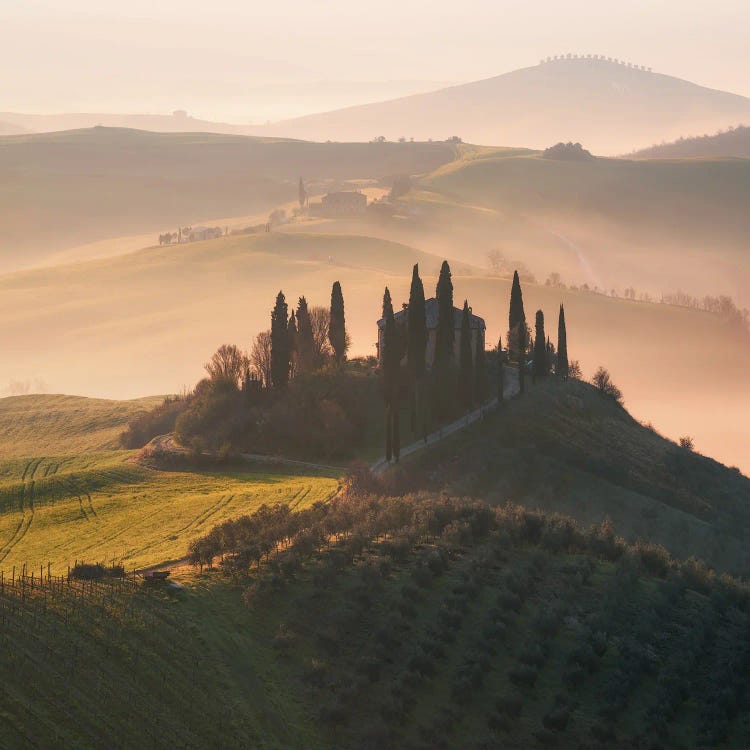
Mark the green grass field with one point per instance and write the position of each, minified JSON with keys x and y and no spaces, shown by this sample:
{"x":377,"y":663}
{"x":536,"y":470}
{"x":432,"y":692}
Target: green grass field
{"x":105,"y":506}
{"x":37,"y":424}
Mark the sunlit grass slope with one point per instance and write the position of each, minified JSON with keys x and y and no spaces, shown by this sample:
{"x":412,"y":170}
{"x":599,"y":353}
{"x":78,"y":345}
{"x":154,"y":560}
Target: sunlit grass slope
{"x":104,"y":506}
{"x":37,"y":424}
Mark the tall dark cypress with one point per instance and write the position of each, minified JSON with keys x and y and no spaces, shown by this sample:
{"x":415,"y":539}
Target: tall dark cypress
{"x":337,"y":324}
{"x":416,"y":326}
{"x":516,"y":321}
{"x":416,"y":347}
{"x":305,"y":345}
{"x":292,"y":337}
{"x":466,"y":360}
{"x":500,"y":372}
{"x":444,"y":336}
{"x":540,"y":348}
{"x":279,"y":343}
{"x":481,"y":380}
{"x":562,"y":346}
{"x":391,"y":363}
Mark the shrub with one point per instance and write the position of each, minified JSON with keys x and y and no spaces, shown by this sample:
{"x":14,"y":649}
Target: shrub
{"x":602,"y":380}
{"x":510,"y":704}
{"x":686,"y":443}
{"x":150,"y":424}
{"x":523,"y":675}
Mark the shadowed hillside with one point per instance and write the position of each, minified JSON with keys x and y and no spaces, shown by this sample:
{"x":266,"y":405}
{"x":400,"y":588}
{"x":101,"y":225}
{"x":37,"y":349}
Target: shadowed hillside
{"x":607,"y":106}
{"x":414,"y":623}
{"x":564,"y":448}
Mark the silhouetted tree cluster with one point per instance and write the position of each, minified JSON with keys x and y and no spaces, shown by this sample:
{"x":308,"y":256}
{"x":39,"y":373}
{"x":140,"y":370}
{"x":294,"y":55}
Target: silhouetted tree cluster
{"x":567,"y":152}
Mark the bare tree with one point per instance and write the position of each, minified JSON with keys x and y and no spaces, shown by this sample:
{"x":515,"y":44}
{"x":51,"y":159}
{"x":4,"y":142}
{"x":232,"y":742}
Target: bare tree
{"x":260,"y":358}
{"x":228,"y":363}
{"x":320,"y":320}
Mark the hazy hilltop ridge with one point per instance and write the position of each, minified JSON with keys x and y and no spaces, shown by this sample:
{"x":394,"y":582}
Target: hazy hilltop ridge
{"x":63,"y":189}
{"x":733,"y":142}
{"x":610,"y":107}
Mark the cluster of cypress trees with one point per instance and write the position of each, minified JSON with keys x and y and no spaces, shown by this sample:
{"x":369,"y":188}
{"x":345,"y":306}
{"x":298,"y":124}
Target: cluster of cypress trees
{"x":543,"y":349}
{"x":449,"y":388}
{"x":292,"y":345}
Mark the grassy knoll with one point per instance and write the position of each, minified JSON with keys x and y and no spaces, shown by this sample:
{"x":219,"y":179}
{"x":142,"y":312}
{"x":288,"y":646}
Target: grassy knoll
{"x":37,"y":424}
{"x":564,"y":448}
{"x":100,"y":506}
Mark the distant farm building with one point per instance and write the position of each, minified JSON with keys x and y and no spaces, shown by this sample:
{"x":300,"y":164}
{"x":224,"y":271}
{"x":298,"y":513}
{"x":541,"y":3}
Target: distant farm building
{"x":431,"y":310}
{"x":197,"y":234}
{"x":342,"y":203}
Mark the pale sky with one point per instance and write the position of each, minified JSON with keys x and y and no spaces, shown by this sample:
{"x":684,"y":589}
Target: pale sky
{"x":211,"y":57}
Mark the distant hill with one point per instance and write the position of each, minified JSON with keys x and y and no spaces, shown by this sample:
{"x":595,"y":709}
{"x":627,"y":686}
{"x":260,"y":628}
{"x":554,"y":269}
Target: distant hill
{"x":734,"y":142}
{"x":63,"y":189}
{"x":177,"y":122}
{"x":40,"y":423}
{"x":608,"y":107}
{"x":8,"y":128}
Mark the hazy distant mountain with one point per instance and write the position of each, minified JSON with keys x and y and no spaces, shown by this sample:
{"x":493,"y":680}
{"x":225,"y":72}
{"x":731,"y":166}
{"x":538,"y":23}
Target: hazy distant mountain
{"x":8,"y":128}
{"x":733,"y":142}
{"x":178,"y":122}
{"x":262,"y":103}
{"x":610,"y":107}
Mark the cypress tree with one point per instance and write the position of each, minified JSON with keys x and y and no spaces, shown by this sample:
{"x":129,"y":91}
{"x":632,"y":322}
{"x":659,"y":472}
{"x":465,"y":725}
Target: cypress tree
{"x":500,"y":372}
{"x":390,"y":359}
{"x":337,"y":325}
{"x":444,"y":381}
{"x":292,"y":332}
{"x":416,"y":344}
{"x":481,"y":380}
{"x":516,"y":321}
{"x":562,"y":346}
{"x":396,"y":439}
{"x":444,"y":337}
{"x":540,"y":348}
{"x":305,"y":346}
{"x":279,"y":343}
{"x":416,"y":326}
{"x":301,"y":193}
{"x":466,"y":375}
{"x":522,"y":344}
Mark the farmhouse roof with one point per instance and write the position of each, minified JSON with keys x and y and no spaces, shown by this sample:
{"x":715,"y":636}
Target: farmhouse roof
{"x":431,"y":312}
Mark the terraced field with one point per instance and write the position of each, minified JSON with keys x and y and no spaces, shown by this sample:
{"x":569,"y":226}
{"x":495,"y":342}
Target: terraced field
{"x":105,"y":506}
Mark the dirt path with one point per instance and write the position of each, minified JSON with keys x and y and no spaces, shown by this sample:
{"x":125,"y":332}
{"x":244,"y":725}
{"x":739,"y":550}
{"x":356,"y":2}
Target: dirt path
{"x":510,"y":390}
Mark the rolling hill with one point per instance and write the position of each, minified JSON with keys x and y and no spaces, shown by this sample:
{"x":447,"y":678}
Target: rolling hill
{"x":58,"y":190}
{"x":609,"y":107}
{"x":385,"y":622}
{"x":108,"y":327}
{"x":37,"y":424}
{"x":734,"y":142}
{"x":563,"y":448}
{"x":656,"y":225}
